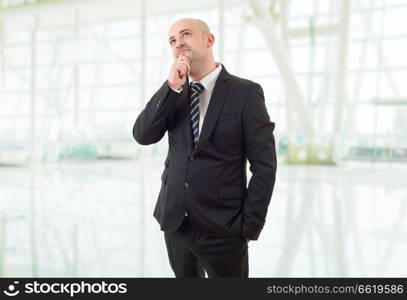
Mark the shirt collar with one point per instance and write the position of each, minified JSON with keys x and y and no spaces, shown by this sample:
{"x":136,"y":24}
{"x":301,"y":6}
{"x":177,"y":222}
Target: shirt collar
{"x":209,"y":80}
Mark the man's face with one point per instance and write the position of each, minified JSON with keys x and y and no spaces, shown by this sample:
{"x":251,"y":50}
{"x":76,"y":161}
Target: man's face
{"x":188,"y":38}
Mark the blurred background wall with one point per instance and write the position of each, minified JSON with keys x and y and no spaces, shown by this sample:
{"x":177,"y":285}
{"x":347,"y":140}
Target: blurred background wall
{"x":77,"y":193}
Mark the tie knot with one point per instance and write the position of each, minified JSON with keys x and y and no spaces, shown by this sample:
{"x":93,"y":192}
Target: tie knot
{"x":197,"y":87}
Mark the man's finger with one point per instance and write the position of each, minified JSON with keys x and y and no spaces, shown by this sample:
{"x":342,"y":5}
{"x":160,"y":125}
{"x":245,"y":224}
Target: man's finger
{"x":185,"y":67}
{"x":185,"y":61}
{"x":182,"y":70}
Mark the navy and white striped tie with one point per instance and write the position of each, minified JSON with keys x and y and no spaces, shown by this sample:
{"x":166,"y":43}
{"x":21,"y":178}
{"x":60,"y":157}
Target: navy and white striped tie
{"x":196,"y":89}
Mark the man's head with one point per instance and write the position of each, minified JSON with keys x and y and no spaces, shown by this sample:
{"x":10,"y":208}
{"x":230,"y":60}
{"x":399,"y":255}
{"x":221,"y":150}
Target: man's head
{"x":192,"y":38}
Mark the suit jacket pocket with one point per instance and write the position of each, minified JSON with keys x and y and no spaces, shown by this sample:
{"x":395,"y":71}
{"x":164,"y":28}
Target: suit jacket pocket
{"x":227,"y":135}
{"x":231,"y":192}
{"x":228,"y":116}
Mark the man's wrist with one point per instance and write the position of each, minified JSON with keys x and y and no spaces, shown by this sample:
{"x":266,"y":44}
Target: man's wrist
{"x":177,"y":90}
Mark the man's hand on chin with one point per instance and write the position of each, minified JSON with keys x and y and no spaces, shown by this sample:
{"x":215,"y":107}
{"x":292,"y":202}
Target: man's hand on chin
{"x":179,"y":71}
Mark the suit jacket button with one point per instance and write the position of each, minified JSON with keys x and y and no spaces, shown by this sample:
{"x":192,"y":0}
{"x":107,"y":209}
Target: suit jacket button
{"x":187,"y":185}
{"x":191,"y":158}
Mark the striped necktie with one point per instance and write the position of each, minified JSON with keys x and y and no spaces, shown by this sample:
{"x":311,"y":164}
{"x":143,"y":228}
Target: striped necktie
{"x":196,"y":89}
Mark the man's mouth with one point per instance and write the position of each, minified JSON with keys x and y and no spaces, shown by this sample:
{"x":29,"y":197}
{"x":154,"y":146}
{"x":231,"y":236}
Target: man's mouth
{"x":183,"y":50}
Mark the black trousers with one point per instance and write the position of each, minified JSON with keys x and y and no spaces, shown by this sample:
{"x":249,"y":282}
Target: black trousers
{"x":191,"y":253}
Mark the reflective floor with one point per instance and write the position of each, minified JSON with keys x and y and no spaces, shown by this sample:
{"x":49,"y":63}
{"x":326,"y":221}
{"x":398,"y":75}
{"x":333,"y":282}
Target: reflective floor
{"x":94,"y":219}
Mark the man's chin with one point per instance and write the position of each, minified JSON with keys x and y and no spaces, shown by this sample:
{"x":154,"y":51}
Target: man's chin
{"x":186,"y":53}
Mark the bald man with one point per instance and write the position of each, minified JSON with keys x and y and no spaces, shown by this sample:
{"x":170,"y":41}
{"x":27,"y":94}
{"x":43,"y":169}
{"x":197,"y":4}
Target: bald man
{"x":216,"y":122}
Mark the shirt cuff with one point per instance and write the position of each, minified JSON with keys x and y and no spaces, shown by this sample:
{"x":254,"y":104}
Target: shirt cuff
{"x":177,"y":91}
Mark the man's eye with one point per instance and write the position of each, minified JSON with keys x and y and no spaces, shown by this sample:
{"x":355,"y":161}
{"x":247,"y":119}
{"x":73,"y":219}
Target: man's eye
{"x":172,"y":42}
{"x":186,"y":33}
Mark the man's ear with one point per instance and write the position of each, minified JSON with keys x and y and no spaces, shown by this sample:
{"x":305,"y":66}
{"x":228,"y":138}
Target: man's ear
{"x":210,"y":40}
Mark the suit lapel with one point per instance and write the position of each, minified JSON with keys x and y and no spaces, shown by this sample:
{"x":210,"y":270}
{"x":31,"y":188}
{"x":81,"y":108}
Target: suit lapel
{"x":215,"y":106}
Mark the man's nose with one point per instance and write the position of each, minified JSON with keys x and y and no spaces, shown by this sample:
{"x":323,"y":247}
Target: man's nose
{"x":179,"y":44}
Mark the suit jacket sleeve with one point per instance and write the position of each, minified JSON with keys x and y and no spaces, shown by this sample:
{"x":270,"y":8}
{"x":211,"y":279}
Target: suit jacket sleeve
{"x":151,"y":124}
{"x":260,"y":151}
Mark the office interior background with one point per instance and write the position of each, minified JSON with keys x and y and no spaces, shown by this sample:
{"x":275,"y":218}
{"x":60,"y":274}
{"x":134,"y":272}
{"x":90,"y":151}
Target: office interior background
{"x":77,"y":193}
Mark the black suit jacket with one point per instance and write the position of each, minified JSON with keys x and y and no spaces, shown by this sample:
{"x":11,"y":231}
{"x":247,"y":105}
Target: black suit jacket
{"x":209,"y":181}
